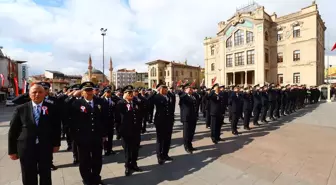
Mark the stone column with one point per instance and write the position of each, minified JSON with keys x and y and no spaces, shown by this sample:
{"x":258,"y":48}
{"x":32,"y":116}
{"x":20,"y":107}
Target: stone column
{"x":234,"y":78}
{"x":245,"y":78}
{"x":328,"y":99}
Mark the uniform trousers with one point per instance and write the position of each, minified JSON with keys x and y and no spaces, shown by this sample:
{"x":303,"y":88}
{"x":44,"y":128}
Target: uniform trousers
{"x":256,"y":113}
{"x":189,"y":128}
{"x":208,"y":118}
{"x":33,"y":161}
{"x":144,"y":120}
{"x":277,"y":108}
{"x":90,"y":160}
{"x":108,"y":144}
{"x":283,"y":108}
{"x":264,"y":112}
{"x":131,"y":148}
{"x":150,"y":114}
{"x":164,"y":130}
{"x":216,"y":124}
{"x":271,"y":109}
{"x":247,"y":116}
{"x":234,"y":121}
{"x":75,"y":150}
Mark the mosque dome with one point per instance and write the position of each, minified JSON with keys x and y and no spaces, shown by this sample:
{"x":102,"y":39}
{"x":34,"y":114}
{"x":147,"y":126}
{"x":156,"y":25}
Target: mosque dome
{"x":94,"y":71}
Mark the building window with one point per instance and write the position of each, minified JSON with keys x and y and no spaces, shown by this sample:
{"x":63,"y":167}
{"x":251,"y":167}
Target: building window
{"x":167,"y":73}
{"x":182,"y":73}
{"x":296,"y":78}
{"x":296,"y":31}
{"x":212,"y":67}
{"x":280,"y":35}
{"x":229,"y":42}
{"x":229,"y":60}
{"x":190,"y":73}
{"x":239,"y":59}
{"x":250,"y":57}
{"x":249,"y":37}
{"x":296,"y":55}
{"x":239,"y":38}
{"x":266,"y":36}
{"x":280,"y":57}
{"x":164,"y":73}
{"x":266,"y":56}
{"x":280,"y":78}
{"x":176,"y":73}
{"x":212,"y":50}
{"x":160,"y":72}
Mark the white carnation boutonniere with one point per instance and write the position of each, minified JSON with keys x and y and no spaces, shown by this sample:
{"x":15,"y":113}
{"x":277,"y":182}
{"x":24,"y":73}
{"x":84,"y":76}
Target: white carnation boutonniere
{"x":99,"y":107}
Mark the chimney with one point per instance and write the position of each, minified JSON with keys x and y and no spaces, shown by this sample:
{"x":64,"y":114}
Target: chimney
{"x":90,"y":69}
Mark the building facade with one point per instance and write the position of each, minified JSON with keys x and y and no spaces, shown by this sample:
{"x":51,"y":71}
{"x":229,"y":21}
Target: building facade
{"x":57,"y":79}
{"x":254,"y":47}
{"x":142,"y":77}
{"x":123,"y":77}
{"x":169,"y":73}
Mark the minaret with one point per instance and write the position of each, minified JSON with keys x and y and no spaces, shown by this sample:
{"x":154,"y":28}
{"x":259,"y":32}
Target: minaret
{"x":111,"y":70}
{"x":90,"y":69}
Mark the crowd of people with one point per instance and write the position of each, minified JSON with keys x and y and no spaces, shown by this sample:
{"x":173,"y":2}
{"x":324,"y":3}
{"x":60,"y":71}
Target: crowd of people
{"x":88,"y":119}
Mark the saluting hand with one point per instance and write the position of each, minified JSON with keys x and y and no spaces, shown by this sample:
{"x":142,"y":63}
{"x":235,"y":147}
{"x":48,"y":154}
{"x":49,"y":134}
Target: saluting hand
{"x":14,"y":156}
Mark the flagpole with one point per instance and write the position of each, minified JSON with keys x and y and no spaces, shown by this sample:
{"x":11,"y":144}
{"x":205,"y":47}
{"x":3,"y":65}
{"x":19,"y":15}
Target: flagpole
{"x":328,"y":47}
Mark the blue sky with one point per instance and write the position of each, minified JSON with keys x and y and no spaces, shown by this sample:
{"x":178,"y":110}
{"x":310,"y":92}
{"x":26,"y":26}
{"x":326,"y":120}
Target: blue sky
{"x":63,"y":33}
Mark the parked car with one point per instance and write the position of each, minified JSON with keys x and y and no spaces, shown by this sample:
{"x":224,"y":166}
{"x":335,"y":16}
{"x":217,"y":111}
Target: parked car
{"x":9,"y":101}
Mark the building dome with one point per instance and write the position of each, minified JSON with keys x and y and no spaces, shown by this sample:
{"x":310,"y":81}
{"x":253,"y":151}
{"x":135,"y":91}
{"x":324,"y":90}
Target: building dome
{"x":94,"y":71}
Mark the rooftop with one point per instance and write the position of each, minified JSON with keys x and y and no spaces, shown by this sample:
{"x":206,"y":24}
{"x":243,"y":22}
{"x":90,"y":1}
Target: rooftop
{"x":172,"y":62}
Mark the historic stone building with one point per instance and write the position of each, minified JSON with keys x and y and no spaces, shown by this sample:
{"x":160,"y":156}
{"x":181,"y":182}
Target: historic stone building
{"x":123,"y":77}
{"x":254,"y":47}
{"x":169,"y":73}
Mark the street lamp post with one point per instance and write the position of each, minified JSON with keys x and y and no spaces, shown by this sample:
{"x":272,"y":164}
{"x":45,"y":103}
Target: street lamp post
{"x":103,"y":33}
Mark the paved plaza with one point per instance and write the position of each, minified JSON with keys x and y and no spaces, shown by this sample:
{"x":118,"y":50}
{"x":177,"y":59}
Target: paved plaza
{"x":296,"y":150}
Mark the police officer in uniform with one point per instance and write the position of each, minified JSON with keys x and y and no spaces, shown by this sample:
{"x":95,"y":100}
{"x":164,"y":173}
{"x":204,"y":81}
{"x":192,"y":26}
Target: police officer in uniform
{"x":107,"y":98}
{"x":163,"y":121}
{"x":144,"y":98}
{"x":189,"y":113}
{"x":130,"y":129}
{"x":247,"y":107}
{"x":91,"y":130}
{"x":216,"y":113}
{"x":236,"y":103}
{"x":257,"y":104}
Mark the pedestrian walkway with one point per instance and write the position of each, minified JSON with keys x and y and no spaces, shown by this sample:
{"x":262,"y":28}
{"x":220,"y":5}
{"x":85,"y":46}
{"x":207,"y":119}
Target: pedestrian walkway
{"x":297,"y":150}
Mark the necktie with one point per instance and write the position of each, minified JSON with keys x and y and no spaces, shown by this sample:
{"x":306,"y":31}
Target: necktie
{"x":37,"y":113}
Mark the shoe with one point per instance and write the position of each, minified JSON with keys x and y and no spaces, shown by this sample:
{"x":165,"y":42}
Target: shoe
{"x":188,"y":150}
{"x":118,"y":137}
{"x":53,"y":167}
{"x":194,"y":149}
{"x":256,"y":124}
{"x":143,"y":131}
{"x":136,"y":168}
{"x":214,"y":141}
{"x":167,"y":158}
{"x":107,"y":153}
{"x":160,"y":161}
{"x":127,"y":172}
{"x":112,"y":152}
{"x":247,"y":128}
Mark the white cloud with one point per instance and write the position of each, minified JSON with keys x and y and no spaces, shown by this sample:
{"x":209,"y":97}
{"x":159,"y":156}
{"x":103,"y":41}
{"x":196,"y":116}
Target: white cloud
{"x":148,"y":30}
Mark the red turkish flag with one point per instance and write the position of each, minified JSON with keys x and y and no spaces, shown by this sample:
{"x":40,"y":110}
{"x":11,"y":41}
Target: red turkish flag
{"x":334,"y":47}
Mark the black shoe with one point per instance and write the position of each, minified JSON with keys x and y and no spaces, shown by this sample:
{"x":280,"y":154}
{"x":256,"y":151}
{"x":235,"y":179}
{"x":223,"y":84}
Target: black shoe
{"x":127,"y":172}
{"x":247,"y":128}
{"x":107,"y":153}
{"x":160,"y":161}
{"x":112,"y":152}
{"x":194,"y":149}
{"x":136,"y":168}
{"x":256,"y":124}
{"x":86,"y":183}
{"x":167,"y":158}
{"x":214,"y":141}
{"x":53,"y":167}
{"x":189,"y":151}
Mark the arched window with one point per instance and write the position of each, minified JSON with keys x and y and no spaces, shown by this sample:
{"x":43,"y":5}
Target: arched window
{"x":239,"y":37}
{"x":212,"y":66}
{"x":152,"y":72}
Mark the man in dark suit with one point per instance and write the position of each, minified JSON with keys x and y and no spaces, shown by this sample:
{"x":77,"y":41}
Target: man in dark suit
{"x":90,"y":123}
{"x":163,"y":121}
{"x":34,"y":134}
{"x":189,"y":114}
{"x":216,"y":113}
{"x":235,"y":109}
{"x":130,"y":128}
{"x":143,"y":96}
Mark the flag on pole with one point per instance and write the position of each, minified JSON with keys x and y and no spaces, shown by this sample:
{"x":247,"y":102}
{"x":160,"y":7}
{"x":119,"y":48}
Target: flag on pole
{"x":185,"y":82}
{"x":193,"y":84}
{"x":179,"y":83}
{"x":334,"y":47}
{"x":213,"y":81}
{"x":2,"y":80}
{"x":154,"y":85}
{"x":24,"y":86}
{"x":202,"y":83}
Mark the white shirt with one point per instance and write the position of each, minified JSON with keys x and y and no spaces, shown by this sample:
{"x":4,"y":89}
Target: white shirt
{"x":87,"y":101}
{"x":34,"y":105}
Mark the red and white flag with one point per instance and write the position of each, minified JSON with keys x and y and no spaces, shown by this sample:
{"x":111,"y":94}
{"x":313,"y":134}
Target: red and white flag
{"x":213,"y":81}
{"x":24,"y":86}
{"x":334,"y":47}
{"x":2,"y":80}
{"x":202,"y":83}
{"x":194,"y":83}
